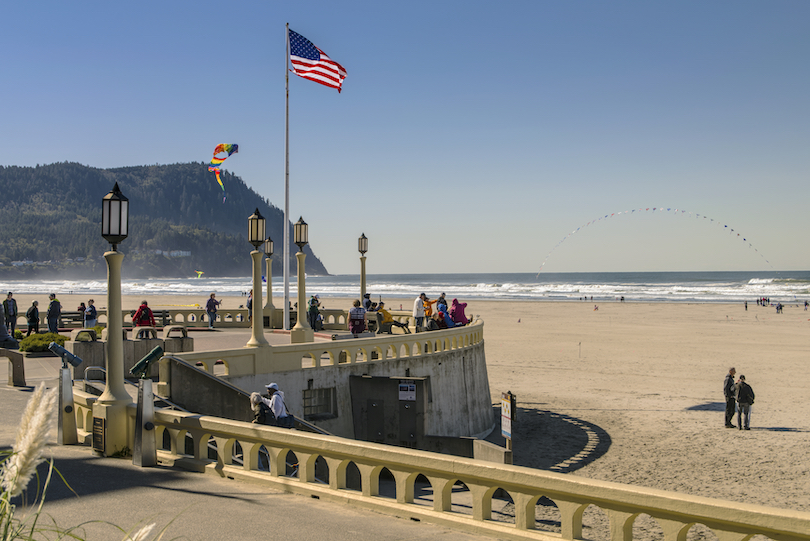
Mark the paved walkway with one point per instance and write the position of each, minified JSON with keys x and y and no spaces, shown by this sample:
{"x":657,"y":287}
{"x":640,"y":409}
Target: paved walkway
{"x":195,"y":506}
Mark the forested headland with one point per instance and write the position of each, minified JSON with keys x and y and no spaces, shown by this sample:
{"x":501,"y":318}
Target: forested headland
{"x":50,"y":219}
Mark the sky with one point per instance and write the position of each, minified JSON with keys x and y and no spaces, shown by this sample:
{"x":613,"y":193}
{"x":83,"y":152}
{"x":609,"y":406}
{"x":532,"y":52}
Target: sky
{"x":468,"y":137}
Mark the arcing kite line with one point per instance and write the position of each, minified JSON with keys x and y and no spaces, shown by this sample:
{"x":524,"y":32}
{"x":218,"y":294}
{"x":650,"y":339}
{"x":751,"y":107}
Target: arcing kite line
{"x":217,"y":162}
{"x":676,"y":212}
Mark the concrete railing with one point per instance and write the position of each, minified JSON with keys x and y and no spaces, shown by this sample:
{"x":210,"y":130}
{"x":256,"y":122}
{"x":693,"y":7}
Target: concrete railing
{"x":382,"y":347}
{"x":334,"y":319}
{"x":455,"y":492}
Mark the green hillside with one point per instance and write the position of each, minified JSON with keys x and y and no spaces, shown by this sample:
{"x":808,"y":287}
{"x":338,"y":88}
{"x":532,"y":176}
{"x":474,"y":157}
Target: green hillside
{"x":51,"y":215}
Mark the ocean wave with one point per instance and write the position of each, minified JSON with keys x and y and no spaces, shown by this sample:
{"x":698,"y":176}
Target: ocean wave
{"x":643,"y":287}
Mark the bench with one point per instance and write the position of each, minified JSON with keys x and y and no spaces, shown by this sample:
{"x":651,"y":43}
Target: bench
{"x":162,"y":317}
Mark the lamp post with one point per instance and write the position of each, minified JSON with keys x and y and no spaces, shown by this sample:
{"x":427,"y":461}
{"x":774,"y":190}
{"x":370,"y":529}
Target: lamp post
{"x":256,"y":237}
{"x":362,"y":247}
{"x":110,"y":434}
{"x":268,"y":254}
{"x":302,"y":332}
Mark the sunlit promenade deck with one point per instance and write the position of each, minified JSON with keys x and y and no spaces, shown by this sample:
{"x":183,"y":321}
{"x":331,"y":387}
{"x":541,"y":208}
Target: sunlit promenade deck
{"x":200,"y":506}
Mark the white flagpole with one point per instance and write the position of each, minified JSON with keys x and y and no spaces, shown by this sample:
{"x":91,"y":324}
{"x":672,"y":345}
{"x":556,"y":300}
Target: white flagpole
{"x":287,"y":182}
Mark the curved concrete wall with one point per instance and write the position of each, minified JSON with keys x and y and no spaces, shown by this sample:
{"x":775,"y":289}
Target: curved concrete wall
{"x":458,"y":404}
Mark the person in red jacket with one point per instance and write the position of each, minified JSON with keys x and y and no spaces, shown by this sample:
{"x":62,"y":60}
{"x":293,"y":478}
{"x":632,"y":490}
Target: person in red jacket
{"x":143,"y":317}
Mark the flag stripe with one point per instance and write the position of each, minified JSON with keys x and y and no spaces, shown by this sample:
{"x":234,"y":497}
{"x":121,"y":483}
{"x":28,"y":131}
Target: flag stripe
{"x":311,"y":63}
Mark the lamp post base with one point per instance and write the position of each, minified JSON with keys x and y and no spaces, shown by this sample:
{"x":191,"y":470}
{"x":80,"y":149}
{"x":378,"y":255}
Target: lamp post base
{"x":110,"y":429}
{"x":299,"y":336}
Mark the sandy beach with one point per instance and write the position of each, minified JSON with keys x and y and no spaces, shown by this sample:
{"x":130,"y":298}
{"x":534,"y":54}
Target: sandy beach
{"x":641,"y":386}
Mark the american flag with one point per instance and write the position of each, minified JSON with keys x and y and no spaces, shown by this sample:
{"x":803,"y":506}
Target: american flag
{"x":312,"y":63}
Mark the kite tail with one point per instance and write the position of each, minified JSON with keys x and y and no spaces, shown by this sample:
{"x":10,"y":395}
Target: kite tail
{"x":224,"y":195}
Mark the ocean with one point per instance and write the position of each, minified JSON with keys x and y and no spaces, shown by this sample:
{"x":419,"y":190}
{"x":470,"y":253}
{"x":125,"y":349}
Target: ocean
{"x":788,"y":286}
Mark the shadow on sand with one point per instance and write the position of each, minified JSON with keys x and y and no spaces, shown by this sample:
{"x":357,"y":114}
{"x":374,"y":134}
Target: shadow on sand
{"x":546,"y":440}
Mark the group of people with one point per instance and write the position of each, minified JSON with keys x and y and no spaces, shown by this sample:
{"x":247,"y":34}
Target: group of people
{"x":88,"y":314}
{"x":739,"y":398}
{"x":443,"y":318}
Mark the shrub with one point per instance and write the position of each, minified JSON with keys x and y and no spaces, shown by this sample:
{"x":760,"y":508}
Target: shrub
{"x":18,"y":335}
{"x":40,"y":342}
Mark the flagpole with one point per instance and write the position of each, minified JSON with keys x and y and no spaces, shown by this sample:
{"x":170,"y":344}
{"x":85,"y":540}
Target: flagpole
{"x":287,"y":182}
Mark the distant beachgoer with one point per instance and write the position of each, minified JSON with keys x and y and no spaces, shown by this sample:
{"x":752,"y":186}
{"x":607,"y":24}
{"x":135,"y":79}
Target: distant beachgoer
{"x":143,"y":316}
{"x":211,"y":309}
{"x":428,"y":304}
{"x":54,"y":313}
{"x":595,"y":307}
{"x":441,"y":301}
{"x":746,"y":306}
{"x":457,"y":312}
{"x":262,"y":414}
{"x":805,"y":306}
{"x":10,"y":313}
{"x":32,"y":315}
{"x":90,"y":315}
{"x":745,"y":397}
{"x":448,"y":320}
{"x":250,"y":305}
{"x":388,"y":318}
{"x":357,"y":319}
{"x":433,"y":323}
{"x":419,"y":311}
{"x":279,"y":408}
{"x":314,"y":314}
{"x":728,"y":390}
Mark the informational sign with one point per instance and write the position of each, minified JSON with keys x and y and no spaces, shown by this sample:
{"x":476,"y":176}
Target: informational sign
{"x":506,"y":415}
{"x":98,"y":434}
{"x":407,"y":390}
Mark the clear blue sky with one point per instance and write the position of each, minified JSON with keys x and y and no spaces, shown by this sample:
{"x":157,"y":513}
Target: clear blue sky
{"x":469,"y":137}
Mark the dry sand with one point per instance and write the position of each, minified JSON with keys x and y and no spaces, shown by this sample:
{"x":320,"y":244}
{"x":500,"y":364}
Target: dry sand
{"x":632,"y":393}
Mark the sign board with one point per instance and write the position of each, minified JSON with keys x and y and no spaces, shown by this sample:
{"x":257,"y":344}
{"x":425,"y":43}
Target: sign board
{"x":506,"y":415}
{"x":407,"y":390}
{"x":98,"y":434}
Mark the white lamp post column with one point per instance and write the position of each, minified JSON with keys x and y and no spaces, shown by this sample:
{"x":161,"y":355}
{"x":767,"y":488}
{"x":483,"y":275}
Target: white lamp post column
{"x":302,"y":332}
{"x":362,"y":247}
{"x":269,"y":309}
{"x":256,"y":237}
{"x":110,"y":420}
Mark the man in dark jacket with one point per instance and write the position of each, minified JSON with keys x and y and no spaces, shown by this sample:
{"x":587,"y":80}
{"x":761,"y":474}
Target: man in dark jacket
{"x":54,"y":313}
{"x":745,"y":397}
{"x":32,"y":315}
{"x":10,"y":313}
{"x":728,"y":390}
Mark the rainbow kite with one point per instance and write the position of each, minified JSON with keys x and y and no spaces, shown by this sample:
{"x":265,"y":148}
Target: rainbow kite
{"x":217,"y":162}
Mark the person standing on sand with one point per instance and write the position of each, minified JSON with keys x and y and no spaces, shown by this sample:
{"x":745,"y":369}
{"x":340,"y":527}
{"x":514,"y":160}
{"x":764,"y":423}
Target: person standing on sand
{"x":745,"y":397}
{"x":729,"y":390}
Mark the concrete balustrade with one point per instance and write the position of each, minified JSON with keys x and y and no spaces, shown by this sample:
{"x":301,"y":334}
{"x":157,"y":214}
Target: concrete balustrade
{"x":244,"y":361}
{"x":334,"y":319}
{"x":455,"y":492}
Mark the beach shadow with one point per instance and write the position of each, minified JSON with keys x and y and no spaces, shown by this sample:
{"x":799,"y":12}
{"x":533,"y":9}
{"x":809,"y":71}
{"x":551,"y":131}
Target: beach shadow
{"x":708,"y":406}
{"x":779,"y":429}
{"x":547,"y":440}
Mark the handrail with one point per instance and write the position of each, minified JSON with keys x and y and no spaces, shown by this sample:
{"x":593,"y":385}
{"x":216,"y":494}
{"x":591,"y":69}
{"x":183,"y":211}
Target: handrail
{"x":675,"y":513}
